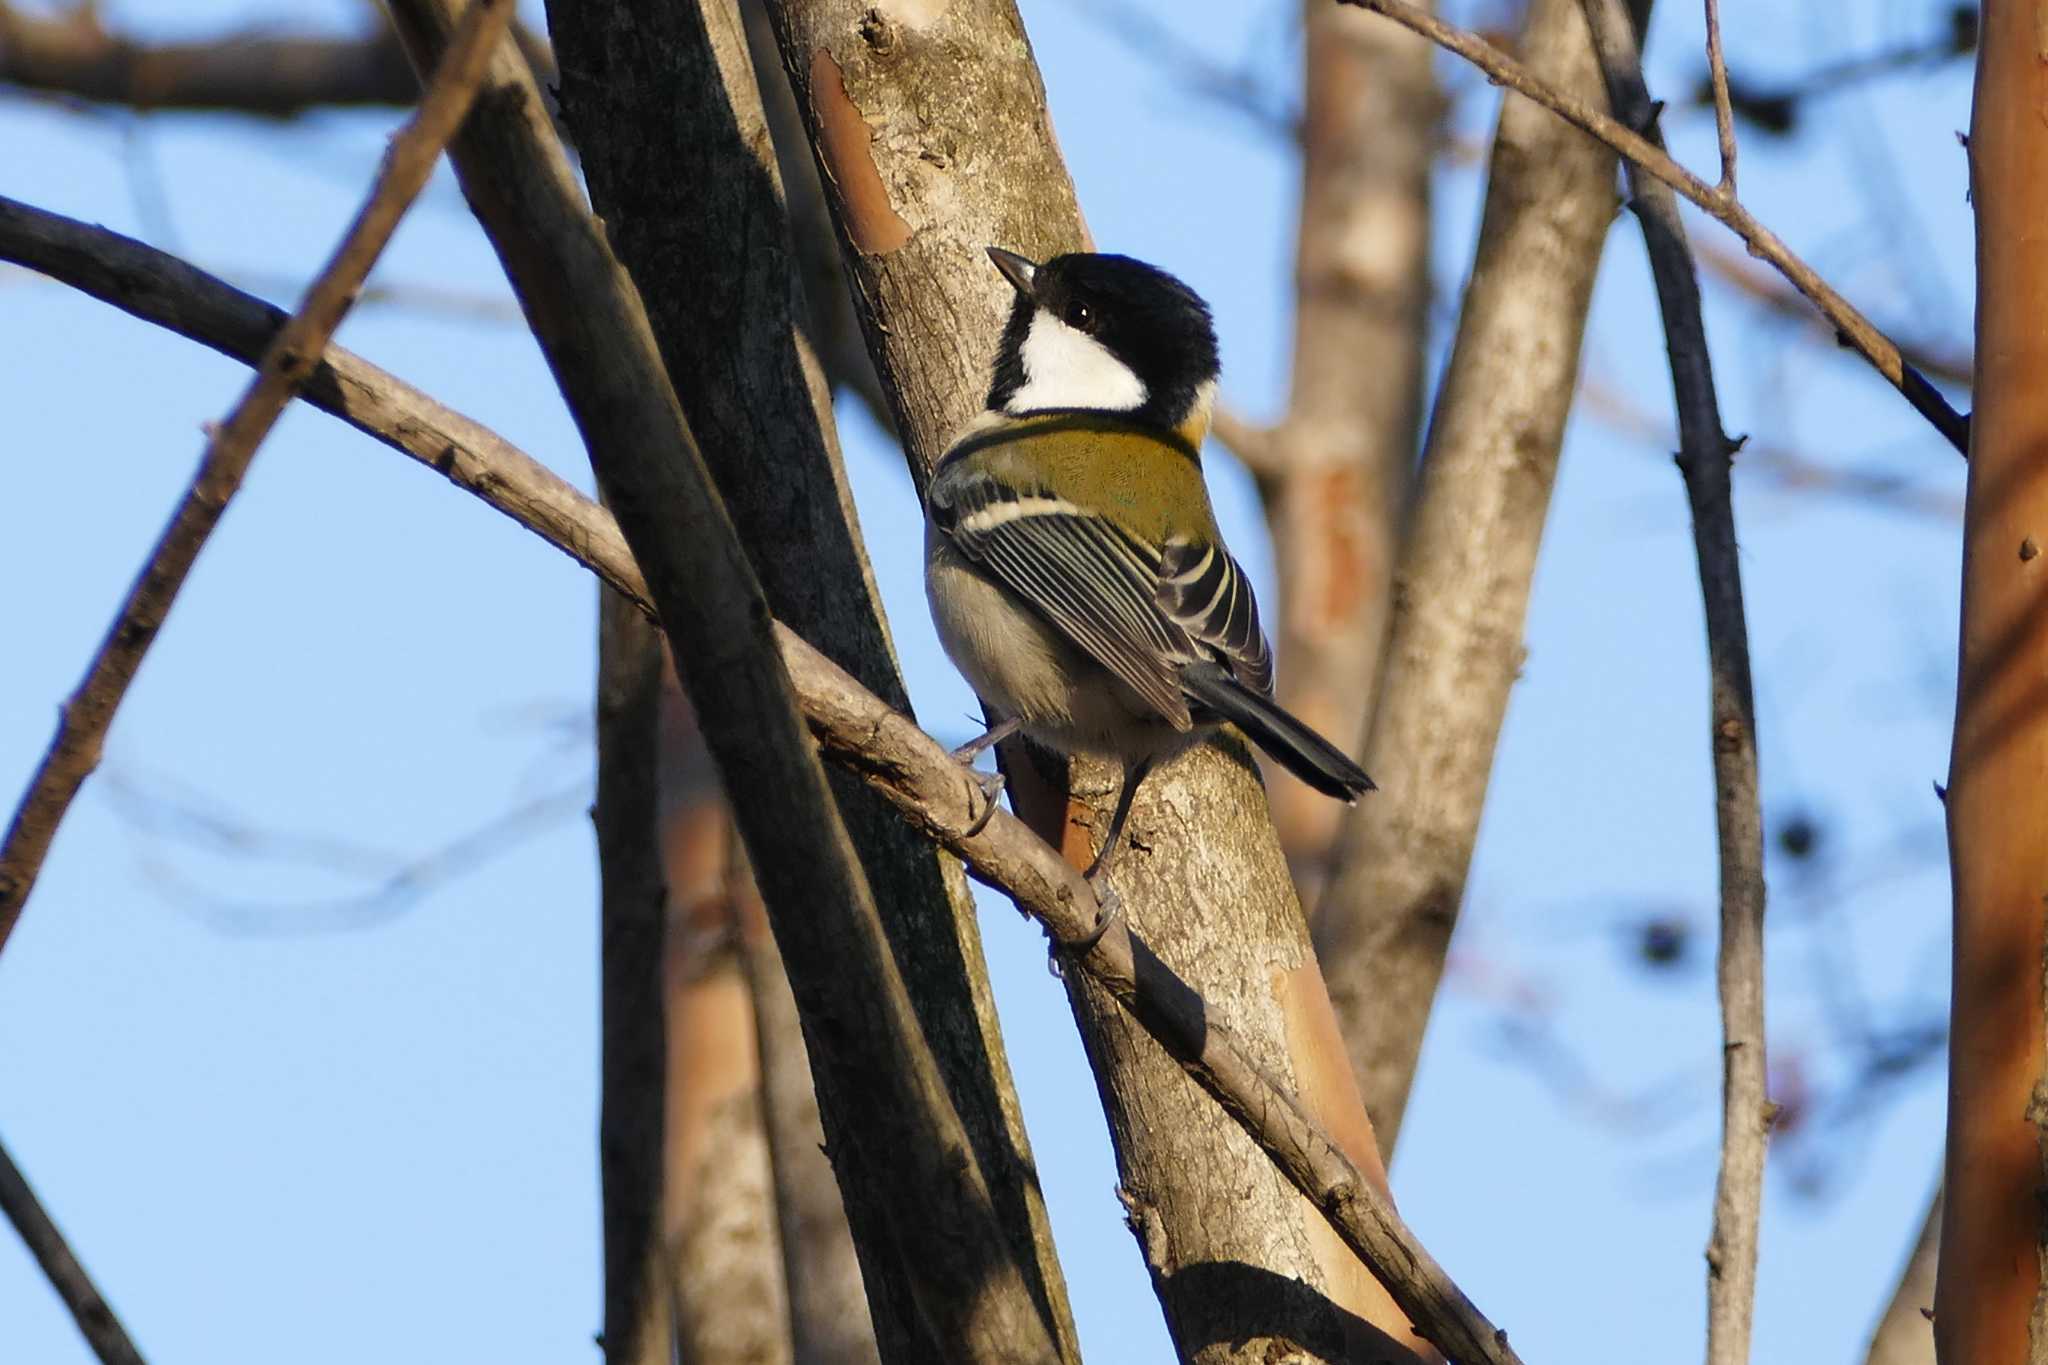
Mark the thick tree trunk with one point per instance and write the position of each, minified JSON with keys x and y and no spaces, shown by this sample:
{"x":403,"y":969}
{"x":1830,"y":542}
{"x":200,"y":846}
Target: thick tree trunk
{"x":1455,"y":646}
{"x":1990,"y":1306}
{"x":931,"y":128}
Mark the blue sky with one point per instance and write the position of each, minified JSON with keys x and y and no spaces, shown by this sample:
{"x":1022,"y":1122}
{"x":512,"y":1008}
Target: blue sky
{"x":283,"y":1113}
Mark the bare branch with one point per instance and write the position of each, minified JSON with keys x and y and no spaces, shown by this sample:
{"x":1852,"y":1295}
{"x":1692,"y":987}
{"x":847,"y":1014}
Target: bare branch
{"x":256,"y":72}
{"x":75,"y":751}
{"x":161,"y":289}
{"x":1724,"y":113}
{"x":1250,"y":443}
{"x":95,"y":1318}
{"x":1879,"y":349}
{"x":1704,"y":458}
{"x":916,"y":775}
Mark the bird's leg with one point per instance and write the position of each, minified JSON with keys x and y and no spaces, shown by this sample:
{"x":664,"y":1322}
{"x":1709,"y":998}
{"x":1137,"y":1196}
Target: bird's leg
{"x":989,"y":784}
{"x":1134,"y":774}
{"x":996,"y":734}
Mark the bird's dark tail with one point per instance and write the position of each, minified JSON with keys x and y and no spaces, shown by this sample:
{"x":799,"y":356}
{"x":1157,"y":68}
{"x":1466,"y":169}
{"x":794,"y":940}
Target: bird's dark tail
{"x":1291,"y":744}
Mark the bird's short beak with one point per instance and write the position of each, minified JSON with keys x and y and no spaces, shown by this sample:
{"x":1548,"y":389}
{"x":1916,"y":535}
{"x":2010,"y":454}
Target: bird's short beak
{"x":1018,"y":270}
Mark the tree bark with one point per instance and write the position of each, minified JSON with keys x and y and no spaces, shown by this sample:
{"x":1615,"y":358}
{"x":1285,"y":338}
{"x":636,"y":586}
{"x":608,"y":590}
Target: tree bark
{"x":828,"y":1308}
{"x":719,"y":1227}
{"x":1455,"y":646}
{"x":930,"y":127}
{"x":1990,"y":1305}
{"x":1337,"y":479}
{"x":694,"y":206}
{"x":639,"y":1325}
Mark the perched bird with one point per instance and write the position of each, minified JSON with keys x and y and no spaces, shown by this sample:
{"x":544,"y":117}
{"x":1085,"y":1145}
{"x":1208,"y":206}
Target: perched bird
{"x":1074,"y":567}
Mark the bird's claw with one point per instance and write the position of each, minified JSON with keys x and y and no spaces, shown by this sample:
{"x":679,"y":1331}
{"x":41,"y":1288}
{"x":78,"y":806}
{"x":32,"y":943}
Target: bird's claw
{"x":1110,"y":909}
{"x":990,"y":785}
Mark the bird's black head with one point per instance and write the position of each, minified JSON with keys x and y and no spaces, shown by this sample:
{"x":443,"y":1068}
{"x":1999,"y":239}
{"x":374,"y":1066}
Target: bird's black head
{"x":1103,"y":333}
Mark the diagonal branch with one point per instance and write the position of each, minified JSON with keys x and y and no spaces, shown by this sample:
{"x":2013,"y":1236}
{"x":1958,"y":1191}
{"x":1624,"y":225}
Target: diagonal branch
{"x":1855,"y":329}
{"x":39,"y":1233}
{"x":1704,"y":457}
{"x":856,"y":729}
{"x":75,"y":751}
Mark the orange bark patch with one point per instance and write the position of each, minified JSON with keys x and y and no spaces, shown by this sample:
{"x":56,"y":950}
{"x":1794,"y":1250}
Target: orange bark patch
{"x":1329,"y":1092}
{"x":1348,"y":562}
{"x":845,"y":145}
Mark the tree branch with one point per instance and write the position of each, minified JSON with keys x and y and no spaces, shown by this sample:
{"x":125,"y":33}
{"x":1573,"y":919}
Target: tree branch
{"x":915,"y":775}
{"x":1704,"y":458}
{"x":247,"y":73}
{"x":1724,"y":113}
{"x":1857,"y":330}
{"x":75,"y":751}
{"x":694,"y":206}
{"x":39,"y":1233}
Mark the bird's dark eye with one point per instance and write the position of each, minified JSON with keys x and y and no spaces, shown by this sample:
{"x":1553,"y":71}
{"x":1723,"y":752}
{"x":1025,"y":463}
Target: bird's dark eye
{"x":1078,"y":315}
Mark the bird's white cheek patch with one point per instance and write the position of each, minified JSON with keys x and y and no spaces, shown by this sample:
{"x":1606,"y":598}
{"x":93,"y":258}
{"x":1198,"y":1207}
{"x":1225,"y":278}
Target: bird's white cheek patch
{"x":1066,"y":368}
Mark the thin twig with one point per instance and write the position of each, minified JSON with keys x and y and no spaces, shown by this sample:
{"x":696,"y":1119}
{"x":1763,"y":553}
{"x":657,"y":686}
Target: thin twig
{"x":1724,"y":109}
{"x":292,"y":354}
{"x":95,"y":1318}
{"x":1855,"y":329}
{"x":857,"y":730}
{"x":1704,"y":461}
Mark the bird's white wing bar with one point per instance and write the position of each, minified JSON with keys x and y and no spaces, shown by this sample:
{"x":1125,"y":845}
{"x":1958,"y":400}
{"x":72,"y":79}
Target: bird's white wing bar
{"x":1094,"y":583}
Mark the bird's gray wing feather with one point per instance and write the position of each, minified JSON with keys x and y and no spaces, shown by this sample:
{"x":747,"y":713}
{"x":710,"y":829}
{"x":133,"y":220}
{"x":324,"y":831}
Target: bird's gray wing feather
{"x":1095,"y":583}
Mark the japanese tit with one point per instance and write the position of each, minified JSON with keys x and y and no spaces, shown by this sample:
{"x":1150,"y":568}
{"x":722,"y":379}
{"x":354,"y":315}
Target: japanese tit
{"x":1073,"y":563}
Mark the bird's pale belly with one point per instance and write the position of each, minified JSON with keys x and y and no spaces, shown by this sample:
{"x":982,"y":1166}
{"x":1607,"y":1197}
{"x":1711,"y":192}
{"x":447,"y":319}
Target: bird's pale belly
{"x":1022,"y":667}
